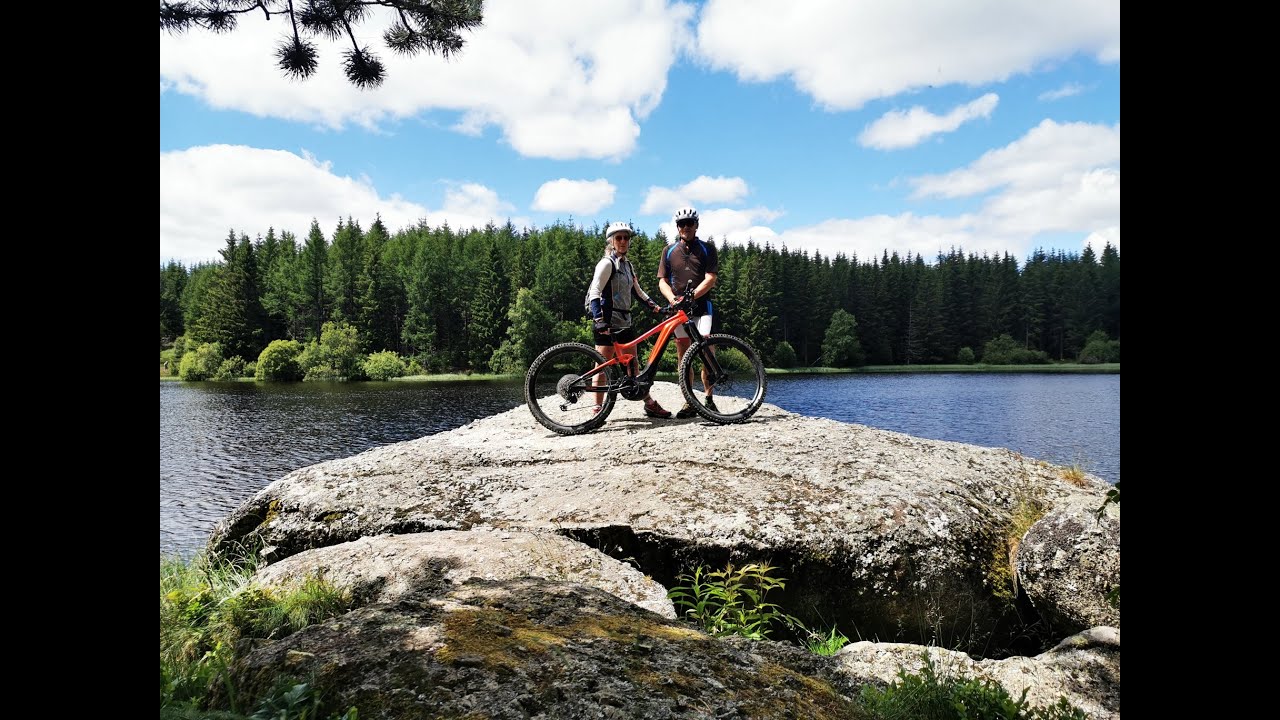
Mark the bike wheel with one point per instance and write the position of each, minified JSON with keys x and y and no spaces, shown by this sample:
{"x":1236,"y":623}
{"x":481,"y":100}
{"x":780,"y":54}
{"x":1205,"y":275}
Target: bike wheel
{"x":738,"y":388}
{"x":558,"y":394}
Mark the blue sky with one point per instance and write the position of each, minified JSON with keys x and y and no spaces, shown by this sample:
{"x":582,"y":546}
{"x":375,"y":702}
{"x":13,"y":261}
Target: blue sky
{"x":829,"y":126}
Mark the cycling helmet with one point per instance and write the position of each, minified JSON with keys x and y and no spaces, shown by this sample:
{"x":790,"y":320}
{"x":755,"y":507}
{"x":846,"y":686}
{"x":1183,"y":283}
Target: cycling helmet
{"x":687,"y":213}
{"x":618,"y":227}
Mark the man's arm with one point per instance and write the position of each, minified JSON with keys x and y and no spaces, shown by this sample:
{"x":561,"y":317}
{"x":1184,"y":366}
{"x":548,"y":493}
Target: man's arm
{"x":704,"y":287}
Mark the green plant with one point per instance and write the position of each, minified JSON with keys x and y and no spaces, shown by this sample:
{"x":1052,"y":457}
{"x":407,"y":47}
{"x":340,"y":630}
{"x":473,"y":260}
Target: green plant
{"x":931,"y":697}
{"x":829,"y":644}
{"x":230,"y":369}
{"x":201,"y":364}
{"x":295,"y":701}
{"x":784,"y":356}
{"x":965,"y":356}
{"x":335,"y":356}
{"x":279,"y":361}
{"x":384,"y":365}
{"x":209,"y":604}
{"x":731,"y":601}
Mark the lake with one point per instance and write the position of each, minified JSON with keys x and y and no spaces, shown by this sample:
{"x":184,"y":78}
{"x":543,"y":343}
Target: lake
{"x":222,"y":442}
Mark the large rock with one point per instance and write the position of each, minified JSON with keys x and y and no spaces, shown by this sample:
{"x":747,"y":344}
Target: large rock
{"x":388,"y":568}
{"x":529,"y":648}
{"x":899,"y":537}
{"x":1084,"y":669}
{"x":1068,"y":564}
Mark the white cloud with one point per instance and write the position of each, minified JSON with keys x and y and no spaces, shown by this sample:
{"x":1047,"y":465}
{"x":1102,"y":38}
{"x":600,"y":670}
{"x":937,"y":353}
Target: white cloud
{"x":702,"y":189}
{"x":845,"y":54}
{"x":1050,"y":155}
{"x":560,"y":79}
{"x":1099,"y":239}
{"x":207,"y":191}
{"x":869,"y":237}
{"x":1067,"y":90}
{"x":897,"y":129}
{"x":1057,"y":179}
{"x":736,"y":226}
{"x":578,"y":197}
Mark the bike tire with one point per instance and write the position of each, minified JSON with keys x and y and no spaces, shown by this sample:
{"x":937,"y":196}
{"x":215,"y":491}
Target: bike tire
{"x":558,"y":401}
{"x":739,"y":393}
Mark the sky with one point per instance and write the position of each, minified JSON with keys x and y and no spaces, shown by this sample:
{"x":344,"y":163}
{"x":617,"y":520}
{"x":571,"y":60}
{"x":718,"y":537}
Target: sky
{"x":825,"y":126}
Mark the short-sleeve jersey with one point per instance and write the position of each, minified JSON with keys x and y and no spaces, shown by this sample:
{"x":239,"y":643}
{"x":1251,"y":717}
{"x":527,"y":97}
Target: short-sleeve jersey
{"x":680,"y":264}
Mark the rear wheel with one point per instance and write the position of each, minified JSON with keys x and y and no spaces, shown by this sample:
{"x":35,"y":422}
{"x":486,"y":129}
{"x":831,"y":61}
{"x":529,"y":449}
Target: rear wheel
{"x":558,"y":394}
{"x":739,"y":386}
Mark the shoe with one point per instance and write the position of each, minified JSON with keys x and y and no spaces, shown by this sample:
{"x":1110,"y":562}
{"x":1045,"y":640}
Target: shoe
{"x":596,"y":410}
{"x":654,"y":410}
{"x":686,"y":412}
{"x":711,"y":405}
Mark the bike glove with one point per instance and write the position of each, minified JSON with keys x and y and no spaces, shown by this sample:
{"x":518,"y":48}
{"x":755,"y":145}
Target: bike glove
{"x":654,"y":306}
{"x":600,"y":325}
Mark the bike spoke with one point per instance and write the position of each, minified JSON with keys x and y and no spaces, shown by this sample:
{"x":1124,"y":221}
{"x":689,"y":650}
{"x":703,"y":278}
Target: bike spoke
{"x":561,"y":396}
{"x":735,"y":373}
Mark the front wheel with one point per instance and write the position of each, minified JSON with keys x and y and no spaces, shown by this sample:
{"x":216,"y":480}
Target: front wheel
{"x":735,"y":375}
{"x":559,"y":389}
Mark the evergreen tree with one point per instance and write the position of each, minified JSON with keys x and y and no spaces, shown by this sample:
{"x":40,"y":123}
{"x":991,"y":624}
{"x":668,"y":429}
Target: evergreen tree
{"x":279,"y":296}
{"x":487,"y":309}
{"x":312,"y":304}
{"x":1109,"y":281}
{"x":346,"y":264}
{"x":754,"y":301}
{"x":380,"y":294}
{"x":232,"y":314}
{"x":173,"y":283}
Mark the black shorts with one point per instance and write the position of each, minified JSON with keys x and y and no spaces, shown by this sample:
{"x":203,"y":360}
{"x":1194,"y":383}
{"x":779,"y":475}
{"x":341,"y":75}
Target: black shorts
{"x":624,"y":335}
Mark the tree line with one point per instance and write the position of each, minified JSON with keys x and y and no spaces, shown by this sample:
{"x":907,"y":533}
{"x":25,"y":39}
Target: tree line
{"x":491,"y":299}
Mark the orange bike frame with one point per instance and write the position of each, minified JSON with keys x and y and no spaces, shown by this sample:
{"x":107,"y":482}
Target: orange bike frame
{"x":624,"y":353}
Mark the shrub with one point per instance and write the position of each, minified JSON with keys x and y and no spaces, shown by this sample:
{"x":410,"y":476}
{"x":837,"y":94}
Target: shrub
{"x":383,"y":366}
{"x":1099,"y":349}
{"x":335,"y":356}
{"x":965,"y":356}
{"x":201,"y":364}
{"x":230,"y":369}
{"x":784,"y":356}
{"x":1000,"y":350}
{"x":250,"y":369}
{"x":414,"y":367}
{"x":279,"y":361}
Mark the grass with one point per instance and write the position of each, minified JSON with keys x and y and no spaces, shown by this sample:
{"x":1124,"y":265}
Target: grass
{"x":207,"y":606}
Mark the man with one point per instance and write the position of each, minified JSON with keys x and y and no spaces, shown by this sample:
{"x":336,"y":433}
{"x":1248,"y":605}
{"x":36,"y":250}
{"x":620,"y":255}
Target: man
{"x":684,"y":260}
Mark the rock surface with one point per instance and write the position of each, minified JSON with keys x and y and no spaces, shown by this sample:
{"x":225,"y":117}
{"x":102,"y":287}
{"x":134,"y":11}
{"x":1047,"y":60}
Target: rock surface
{"x":387,"y":568}
{"x":901,"y":537}
{"x":1068,"y":564}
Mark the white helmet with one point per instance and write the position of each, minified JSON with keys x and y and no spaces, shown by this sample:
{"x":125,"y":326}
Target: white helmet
{"x":686,"y":213}
{"x":617,"y":227}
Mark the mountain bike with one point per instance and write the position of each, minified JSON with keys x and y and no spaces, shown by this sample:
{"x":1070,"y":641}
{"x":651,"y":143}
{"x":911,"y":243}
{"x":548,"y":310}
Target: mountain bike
{"x":562,"y":384}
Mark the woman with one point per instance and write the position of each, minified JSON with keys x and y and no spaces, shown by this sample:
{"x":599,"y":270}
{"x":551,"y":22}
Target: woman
{"x":609,"y":302}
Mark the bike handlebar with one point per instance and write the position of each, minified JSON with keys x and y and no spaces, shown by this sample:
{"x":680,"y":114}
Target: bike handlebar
{"x":686,"y":303}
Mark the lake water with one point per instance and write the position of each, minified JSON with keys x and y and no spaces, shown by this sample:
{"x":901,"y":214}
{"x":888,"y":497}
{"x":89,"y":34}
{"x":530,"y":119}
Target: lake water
{"x":222,"y":442}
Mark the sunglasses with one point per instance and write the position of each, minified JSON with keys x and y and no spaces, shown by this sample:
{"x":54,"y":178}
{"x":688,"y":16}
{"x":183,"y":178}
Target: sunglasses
{"x":687,"y":223}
